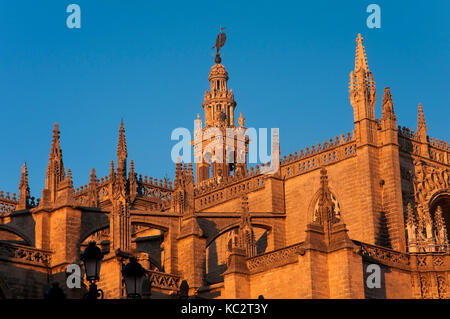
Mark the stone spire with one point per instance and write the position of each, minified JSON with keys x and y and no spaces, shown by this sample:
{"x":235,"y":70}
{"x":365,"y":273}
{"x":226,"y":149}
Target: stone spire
{"x":361,"y":59}
{"x":421,"y":125}
{"x":55,"y":168}
{"x":362,"y":85}
{"x":422,"y":132}
{"x":388,"y":118}
{"x":55,"y":151}
{"x":112,"y":172}
{"x":132,"y":182}
{"x":387,"y":109}
{"x":92,"y":193}
{"x":363,"y":95}
{"x":122,"y":151}
{"x":24,"y":190}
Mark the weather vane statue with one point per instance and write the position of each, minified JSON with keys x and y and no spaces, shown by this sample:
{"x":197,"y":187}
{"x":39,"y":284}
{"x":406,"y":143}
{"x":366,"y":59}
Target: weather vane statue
{"x":220,"y":42}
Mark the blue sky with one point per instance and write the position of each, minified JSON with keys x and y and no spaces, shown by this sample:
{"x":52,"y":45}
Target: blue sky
{"x":148,"y":62}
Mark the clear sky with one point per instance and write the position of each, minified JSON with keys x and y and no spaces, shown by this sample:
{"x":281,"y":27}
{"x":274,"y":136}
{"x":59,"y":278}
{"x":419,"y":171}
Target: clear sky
{"x":148,"y":62}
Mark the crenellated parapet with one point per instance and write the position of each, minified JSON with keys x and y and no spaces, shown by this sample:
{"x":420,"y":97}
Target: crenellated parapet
{"x":312,"y":158}
{"x":234,"y":187}
{"x":437,"y":150}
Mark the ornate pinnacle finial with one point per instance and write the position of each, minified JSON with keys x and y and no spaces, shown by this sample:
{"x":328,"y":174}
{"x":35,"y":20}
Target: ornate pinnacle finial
{"x":55,"y":168}
{"x":122,"y":145}
{"x":387,"y":97}
{"x":362,"y":84}
{"x":178,"y":168}
{"x":93,"y":177}
{"x":421,"y":124}
{"x":326,"y":212}
{"x":111,"y":170}
{"x":241,"y":121}
{"x":55,"y":149}
{"x":131,"y":173}
{"x":24,"y":177}
{"x":24,"y":189}
{"x":388,"y":104}
{"x":360,"y":59}
{"x":69,"y":176}
{"x":245,"y":231}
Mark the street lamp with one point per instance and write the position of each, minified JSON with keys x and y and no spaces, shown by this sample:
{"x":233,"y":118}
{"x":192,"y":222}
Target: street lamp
{"x":92,"y":257}
{"x":133,"y":274}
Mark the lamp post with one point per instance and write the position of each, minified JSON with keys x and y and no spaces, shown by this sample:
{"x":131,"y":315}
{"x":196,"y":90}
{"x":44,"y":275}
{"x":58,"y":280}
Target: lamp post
{"x":92,"y":257}
{"x":133,"y":274}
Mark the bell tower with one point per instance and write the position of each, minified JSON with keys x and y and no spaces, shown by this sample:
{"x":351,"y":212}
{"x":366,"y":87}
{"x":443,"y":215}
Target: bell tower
{"x":220,"y":147}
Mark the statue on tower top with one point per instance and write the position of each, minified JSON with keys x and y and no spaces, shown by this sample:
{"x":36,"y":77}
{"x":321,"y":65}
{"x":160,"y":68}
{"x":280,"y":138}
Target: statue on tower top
{"x":220,"y":42}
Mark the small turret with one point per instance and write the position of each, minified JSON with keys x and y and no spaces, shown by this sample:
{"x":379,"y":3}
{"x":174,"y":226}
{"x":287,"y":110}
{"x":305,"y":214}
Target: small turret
{"x":92,"y":189}
{"x":422,"y":132}
{"x":122,"y":151}
{"x":55,"y":167}
{"x":24,"y":190}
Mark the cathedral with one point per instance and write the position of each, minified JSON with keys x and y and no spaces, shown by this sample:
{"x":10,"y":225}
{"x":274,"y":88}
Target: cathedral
{"x":361,"y":215}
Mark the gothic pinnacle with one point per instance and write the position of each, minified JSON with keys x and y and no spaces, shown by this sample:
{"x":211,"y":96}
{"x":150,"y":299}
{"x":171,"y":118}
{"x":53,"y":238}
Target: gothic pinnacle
{"x":421,"y":124}
{"x":24,"y":177}
{"x":360,"y":59}
{"x":241,"y":120}
{"x":387,"y":105}
{"x":69,"y":176}
{"x":93,"y":177}
{"x":122,"y":145}
{"x":111,"y":171}
{"x":24,"y":189}
{"x":131,"y":172}
{"x":55,"y":148}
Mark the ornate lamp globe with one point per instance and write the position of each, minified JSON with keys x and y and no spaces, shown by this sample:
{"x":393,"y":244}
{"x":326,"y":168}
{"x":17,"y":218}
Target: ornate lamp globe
{"x":133,"y":274}
{"x":92,"y":257}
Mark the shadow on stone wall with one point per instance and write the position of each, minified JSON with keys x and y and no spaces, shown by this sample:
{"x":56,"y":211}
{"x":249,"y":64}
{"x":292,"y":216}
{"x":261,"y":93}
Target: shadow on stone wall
{"x":382,"y":237}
